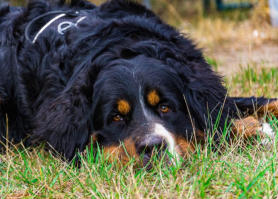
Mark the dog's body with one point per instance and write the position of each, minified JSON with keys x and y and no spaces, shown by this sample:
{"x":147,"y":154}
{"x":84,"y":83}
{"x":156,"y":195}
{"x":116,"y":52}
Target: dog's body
{"x":116,"y":73}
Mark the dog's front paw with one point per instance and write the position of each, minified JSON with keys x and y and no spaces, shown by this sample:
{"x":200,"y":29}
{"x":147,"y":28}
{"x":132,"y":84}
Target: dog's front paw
{"x":267,"y":134}
{"x":251,"y":127}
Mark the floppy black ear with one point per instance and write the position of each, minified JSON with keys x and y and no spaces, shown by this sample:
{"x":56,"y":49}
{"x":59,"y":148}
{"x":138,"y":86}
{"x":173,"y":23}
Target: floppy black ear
{"x":64,"y":121}
{"x":204,"y":93}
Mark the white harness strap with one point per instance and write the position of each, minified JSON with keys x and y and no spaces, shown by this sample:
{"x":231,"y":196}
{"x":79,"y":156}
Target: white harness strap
{"x":61,"y":27}
{"x":67,"y":24}
{"x":47,"y":25}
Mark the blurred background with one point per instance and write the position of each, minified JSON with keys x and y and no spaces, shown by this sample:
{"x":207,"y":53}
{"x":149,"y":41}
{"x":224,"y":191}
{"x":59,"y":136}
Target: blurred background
{"x":233,"y":34}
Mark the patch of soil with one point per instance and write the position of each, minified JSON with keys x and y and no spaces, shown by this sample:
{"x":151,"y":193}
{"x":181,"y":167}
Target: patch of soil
{"x":232,"y":60}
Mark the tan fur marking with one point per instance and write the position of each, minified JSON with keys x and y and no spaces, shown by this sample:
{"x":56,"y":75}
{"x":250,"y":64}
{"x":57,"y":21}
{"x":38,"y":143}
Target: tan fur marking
{"x":123,"y":107}
{"x":94,"y":137}
{"x":200,"y":137}
{"x":153,"y":98}
{"x":128,"y":151}
{"x":271,"y":108}
{"x":183,"y":147}
{"x":122,"y":153}
{"x":246,"y":127}
{"x":112,"y":152}
{"x":93,"y":140}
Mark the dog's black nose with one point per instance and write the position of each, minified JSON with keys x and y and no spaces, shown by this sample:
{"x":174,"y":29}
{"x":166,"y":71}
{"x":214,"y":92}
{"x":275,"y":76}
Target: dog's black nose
{"x":149,"y":144}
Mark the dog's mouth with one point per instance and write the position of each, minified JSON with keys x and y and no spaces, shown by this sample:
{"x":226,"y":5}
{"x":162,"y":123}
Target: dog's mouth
{"x":146,"y":154}
{"x":155,"y":154}
{"x":160,"y":158}
{"x":147,"y":162}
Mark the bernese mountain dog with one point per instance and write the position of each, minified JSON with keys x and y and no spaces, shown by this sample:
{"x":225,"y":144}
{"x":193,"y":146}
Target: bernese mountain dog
{"x":113,"y":76}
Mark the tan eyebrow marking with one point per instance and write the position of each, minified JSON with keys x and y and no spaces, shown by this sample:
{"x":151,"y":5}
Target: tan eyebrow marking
{"x":153,"y":98}
{"x":123,"y":107}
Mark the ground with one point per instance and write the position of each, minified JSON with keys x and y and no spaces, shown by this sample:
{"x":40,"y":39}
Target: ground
{"x":231,"y":61}
{"x":245,"y":52}
{"x":235,"y":45}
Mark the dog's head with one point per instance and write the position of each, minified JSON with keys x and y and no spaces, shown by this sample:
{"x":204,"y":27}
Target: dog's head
{"x":140,"y":102}
{"x":126,"y":81}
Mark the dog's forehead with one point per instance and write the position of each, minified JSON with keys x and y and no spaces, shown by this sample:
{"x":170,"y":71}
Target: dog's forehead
{"x":141,"y":71}
{"x":135,"y":81}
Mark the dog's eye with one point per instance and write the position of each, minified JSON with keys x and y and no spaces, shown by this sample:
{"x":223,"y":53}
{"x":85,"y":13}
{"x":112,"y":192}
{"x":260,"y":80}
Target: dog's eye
{"x":164,"y":108}
{"x":118,"y":118}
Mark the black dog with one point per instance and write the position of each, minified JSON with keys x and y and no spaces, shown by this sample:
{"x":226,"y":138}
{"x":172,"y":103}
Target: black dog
{"x":75,"y":74}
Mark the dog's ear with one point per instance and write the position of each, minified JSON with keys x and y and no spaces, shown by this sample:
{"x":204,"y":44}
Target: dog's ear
{"x":202,"y":88}
{"x":204,"y":94}
{"x":64,"y":121}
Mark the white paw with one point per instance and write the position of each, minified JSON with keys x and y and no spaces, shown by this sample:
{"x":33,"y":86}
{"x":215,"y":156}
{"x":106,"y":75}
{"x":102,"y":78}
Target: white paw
{"x":268,"y":134}
{"x":267,"y":130}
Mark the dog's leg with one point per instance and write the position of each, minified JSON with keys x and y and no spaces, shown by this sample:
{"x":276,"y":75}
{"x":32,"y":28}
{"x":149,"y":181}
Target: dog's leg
{"x":247,"y":127}
{"x":12,"y":125}
{"x":12,"y":121}
{"x":250,"y":127}
{"x":260,"y":105}
{"x":253,"y":123}
{"x":3,"y":117}
{"x":3,"y":121}
{"x":270,"y":109}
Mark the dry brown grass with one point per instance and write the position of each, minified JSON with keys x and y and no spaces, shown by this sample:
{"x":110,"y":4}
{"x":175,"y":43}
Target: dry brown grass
{"x":235,"y":44}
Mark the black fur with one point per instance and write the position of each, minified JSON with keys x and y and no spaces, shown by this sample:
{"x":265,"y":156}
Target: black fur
{"x":49,"y":92}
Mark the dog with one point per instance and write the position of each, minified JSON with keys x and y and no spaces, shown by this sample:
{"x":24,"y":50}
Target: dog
{"x":114,"y":76}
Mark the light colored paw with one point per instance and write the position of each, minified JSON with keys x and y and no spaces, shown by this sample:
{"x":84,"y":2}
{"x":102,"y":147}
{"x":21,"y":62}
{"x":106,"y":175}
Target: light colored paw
{"x":268,"y":135}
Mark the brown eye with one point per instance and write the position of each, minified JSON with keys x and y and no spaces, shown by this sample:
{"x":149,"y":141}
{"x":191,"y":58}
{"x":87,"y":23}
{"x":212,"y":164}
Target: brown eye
{"x":164,"y":108}
{"x":118,"y":118}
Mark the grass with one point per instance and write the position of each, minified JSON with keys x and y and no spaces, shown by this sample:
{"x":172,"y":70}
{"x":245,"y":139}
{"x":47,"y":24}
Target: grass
{"x":239,"y":171}
{"x":249,"y":171}
{"x":254,"y":81}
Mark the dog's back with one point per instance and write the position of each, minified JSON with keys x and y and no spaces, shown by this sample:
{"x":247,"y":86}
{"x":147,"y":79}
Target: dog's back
{"x":15,"y":112}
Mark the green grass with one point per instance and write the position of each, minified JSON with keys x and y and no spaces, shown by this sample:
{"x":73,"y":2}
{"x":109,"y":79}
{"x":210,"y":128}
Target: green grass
{"x":213,"y":63}
{"x":254,"y":81}
{"x":237,"y":171}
